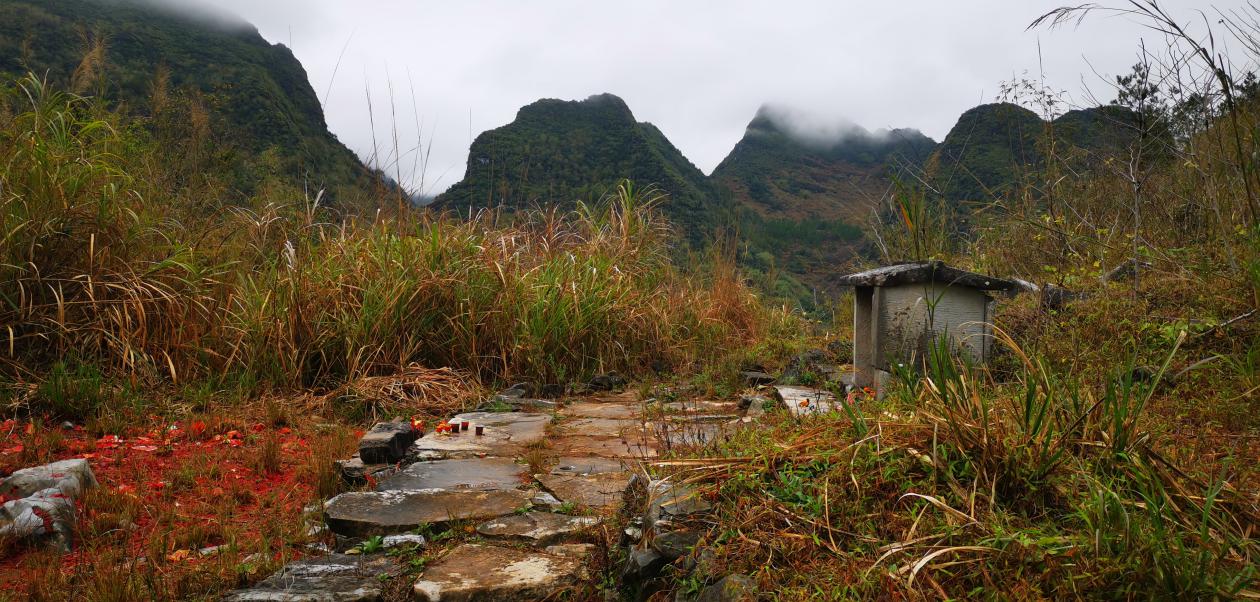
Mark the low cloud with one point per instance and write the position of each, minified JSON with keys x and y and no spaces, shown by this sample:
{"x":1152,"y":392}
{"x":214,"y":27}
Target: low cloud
{"x":696,"y":70}
{"x":823,"y":131}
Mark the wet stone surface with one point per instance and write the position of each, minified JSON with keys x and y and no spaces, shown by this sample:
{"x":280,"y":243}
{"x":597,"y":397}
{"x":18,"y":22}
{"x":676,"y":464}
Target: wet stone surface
{"x":698,"y":433}
{"x":332,"y":578}
{"x":571,"y":466}
{"x":468,"y":473}
{"x":608,"y":447}
{"x":367,"y":513}
{"x":602,"y":427}
{"x":447,"y":477}
{"x":608,"y":409}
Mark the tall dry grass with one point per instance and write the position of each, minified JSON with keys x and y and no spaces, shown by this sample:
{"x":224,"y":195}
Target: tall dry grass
{"x":145,"y":281}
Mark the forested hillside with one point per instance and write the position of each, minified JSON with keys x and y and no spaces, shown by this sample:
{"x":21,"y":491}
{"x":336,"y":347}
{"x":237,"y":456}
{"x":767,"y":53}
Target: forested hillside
{"x":220,"y":97}
{"x":560,"y":152}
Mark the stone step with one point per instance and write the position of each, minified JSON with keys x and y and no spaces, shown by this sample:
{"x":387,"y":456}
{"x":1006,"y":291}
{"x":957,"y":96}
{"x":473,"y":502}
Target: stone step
{"x":367,"y":513}
{"x":485,"y":573}
{"x":570,"y":465}
{"x":538,"y":528}
{"x":595,"y":409}
{"x":634,"y":446}
{"x":506,"y":435}
{"x":600,"y":491}
{"x":484,"y":474}
{"x":332,"y":578}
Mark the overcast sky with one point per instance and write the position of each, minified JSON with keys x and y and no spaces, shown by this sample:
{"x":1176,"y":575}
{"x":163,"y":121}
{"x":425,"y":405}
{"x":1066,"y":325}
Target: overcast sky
{"x":697,"y":69}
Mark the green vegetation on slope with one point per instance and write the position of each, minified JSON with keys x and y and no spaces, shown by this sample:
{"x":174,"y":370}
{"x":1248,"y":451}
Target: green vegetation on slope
{"x":215,"y":78}
{"x":994,"y":149}
{"x":560,"y":152}
{"x":778,"y":173}
{"x":801,"y":201}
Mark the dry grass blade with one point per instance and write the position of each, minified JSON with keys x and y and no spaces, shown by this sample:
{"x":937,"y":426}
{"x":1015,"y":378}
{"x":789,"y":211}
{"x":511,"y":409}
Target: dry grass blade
{"x":927,"y":559}
{"x":949,"y":510}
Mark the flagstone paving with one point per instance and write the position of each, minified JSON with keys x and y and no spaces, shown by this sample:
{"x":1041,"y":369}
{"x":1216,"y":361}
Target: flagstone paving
{"x":590,"y":449}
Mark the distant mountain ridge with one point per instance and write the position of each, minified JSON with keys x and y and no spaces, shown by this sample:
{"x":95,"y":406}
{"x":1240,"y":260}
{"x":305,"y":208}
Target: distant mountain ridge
{"x":779,"y":173}
{"x":560,"y":152}
{"x":798,"y":199}
{"x":138,"y":55}
{"x":993,"y":147}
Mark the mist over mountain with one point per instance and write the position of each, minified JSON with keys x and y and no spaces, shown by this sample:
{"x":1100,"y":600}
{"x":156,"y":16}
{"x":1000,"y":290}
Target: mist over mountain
{"x":788,"y":164}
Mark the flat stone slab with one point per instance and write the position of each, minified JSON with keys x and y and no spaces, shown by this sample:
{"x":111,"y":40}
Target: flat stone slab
{"x":537,"y":528}
{"x":603,"y":427}
{"x":506,"y":434}
{"x":674,"y":433}
{"x":367,"y":513}
{"x":637,"y":446}
{"x":474,"y":572}
{"x":571,"y":466}
{"x":483,"y":474}
{"x":594,"y":409}
{"x":802,"y":401}
{"x":333,"y":578}
{"x":601,"y":491}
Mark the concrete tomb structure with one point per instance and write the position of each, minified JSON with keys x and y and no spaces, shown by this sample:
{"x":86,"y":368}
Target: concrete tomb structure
{"x":901,"y":310}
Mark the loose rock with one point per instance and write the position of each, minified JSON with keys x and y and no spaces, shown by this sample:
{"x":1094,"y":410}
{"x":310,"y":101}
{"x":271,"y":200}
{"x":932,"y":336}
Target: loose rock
{"x":642,"y":565}
{"x":672,"y":502}
{"x":386,"y":443}
{"x":355,"y":472}
{"x":46,"y":515}
{"x":731,"y":588}
{"x":405,"y":539}
{"x":607,"y":382}
{"x":551,"y":391}
{"x":70,"y":477}
{"x":673,"y":545}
